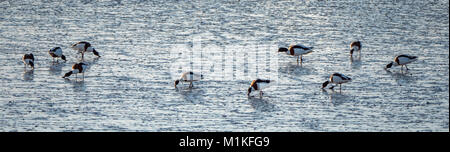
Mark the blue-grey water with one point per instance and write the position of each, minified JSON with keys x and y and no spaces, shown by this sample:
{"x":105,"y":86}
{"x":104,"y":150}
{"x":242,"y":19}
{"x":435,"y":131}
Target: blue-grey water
{"x":130,"y":88}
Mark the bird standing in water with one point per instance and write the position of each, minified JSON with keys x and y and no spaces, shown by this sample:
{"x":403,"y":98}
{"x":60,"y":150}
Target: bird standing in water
{"x":337,"y":79}
{"x":28,"y":59}
{"x":297,"y":50}
{"x":259,"y":85}
{"x":355,"y":46}
{"x":56,"y":52}
{"x":83,"y":47}
{"x":77,"y":68}
{"x":188,"y":77}
{"x":402,"y":60}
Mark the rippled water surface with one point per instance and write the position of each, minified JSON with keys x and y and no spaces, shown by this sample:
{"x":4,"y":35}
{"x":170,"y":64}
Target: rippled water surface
{"x":142,"y":43}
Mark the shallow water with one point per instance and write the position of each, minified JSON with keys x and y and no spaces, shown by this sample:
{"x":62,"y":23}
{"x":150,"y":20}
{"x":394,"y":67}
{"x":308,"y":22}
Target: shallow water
{"x":146,"y":45}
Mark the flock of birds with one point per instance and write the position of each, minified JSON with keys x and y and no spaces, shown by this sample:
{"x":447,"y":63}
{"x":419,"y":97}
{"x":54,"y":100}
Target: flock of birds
{"x":297,"y":50}
{"x":81,"y":47}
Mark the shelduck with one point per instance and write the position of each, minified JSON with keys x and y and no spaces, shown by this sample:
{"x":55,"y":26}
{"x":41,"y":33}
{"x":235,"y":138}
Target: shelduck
{"x":259,"y":85}
{"x":402,"y":60}
{"x":56,"y":52}
{"x":297,"y":50}
{"x":28,"y":59}
{"x":77,"y":68}
{"x":337,"y":78}
{"x":355,"y":46}
{"x":188,"y":77}
{"x":83,"y":47}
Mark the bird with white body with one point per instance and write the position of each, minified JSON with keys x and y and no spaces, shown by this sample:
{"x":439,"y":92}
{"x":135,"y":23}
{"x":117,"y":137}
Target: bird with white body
{"x":83,"y":47}
{"x":77,"y":68}
{"x":297,"y":50}
{"x":259,"y":85}
{"x":338,"y":79}
{"x":402,"y":60}
{"x":28,"y":59}
{"x":188,"y":77}
{"x":355,"y":46}
{"x":56,"y":52}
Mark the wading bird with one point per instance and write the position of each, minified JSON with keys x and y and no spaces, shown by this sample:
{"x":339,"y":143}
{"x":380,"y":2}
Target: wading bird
{"x":28,"y":59}
{"x":402,"y":60}
{"x":83,"y":47}
{"x":336,"y":78}
{"x":188,"y":77}
{"x":77,"y":68}
{"x":355,"y":46}
{"x":56,"y":53}
{"x":259,"y":85}
{"x":297,"y":50}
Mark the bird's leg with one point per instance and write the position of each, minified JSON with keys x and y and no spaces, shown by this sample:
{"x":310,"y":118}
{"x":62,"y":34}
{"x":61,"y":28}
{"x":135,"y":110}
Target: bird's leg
{"x":190,"y":85}
{"x":301,"y":59}
{"x":83,"y":76}
{"x":340,"y":87}
{"x":406,"y":67}
{"x":260,"y":94}
{"x":297,"y":59}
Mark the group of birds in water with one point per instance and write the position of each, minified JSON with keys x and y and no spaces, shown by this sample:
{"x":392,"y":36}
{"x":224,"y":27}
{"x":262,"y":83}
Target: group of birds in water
{"x":81,"y":47}
{"x":297,"y":50}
